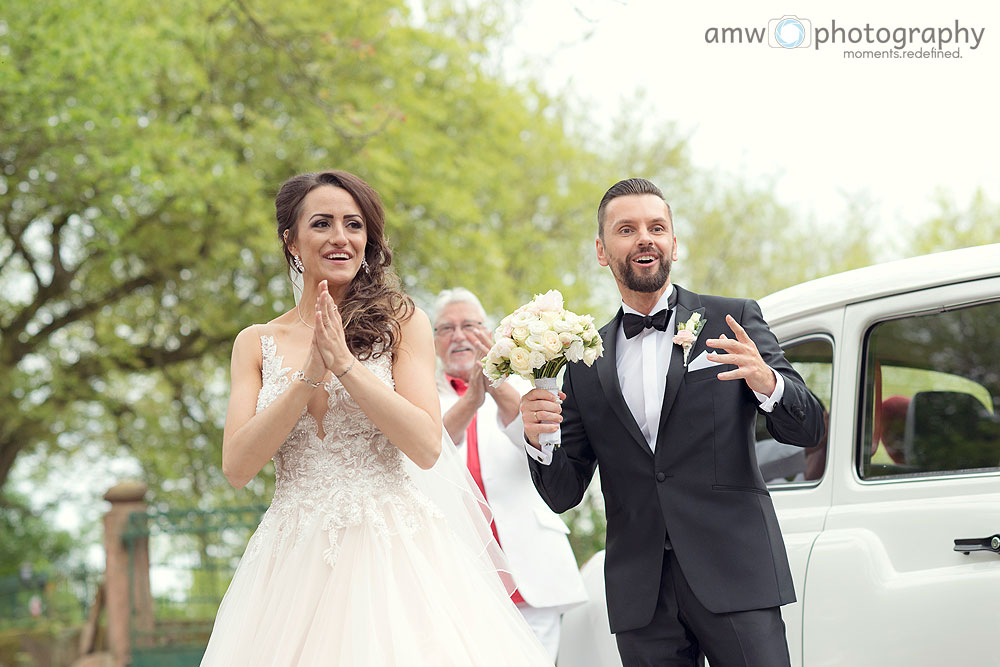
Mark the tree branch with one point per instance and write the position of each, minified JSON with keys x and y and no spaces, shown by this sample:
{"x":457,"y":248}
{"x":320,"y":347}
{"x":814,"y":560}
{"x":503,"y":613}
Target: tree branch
{"x":3,"y":262}
{"x":17,"y":237}
{"x":17,"y":349}
{"x":59,"y":273}
{"x":61,"y":278}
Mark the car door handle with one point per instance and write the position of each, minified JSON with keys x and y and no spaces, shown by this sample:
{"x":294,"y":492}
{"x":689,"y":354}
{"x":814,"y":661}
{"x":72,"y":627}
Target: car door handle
{"x":967,"y":545}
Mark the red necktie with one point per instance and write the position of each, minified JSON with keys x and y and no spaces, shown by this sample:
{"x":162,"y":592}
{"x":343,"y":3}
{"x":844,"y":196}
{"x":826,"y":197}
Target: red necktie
{"x":472,"y":461}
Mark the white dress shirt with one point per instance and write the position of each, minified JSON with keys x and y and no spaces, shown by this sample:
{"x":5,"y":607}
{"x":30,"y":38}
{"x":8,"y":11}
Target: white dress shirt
{"x":642,"y":363}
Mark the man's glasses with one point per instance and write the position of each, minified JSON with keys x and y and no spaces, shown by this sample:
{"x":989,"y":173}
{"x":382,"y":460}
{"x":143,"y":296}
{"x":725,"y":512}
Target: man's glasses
{"x":447,"y":330}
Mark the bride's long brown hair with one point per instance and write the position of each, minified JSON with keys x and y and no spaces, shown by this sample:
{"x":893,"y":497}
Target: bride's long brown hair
{"x":375,"y":305}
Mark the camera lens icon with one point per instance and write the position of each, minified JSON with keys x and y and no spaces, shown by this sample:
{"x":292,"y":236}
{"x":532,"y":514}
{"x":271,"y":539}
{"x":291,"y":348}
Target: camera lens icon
{"x":789,"y":32}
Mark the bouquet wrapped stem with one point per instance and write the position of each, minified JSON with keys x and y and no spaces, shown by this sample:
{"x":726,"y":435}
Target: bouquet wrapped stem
{"x":549,"y":384}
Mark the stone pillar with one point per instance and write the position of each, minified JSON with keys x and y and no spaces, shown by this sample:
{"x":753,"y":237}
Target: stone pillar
{"x":125,"y":498}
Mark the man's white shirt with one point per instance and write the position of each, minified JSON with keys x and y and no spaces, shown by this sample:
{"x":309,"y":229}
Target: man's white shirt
{"x":642,"y":363}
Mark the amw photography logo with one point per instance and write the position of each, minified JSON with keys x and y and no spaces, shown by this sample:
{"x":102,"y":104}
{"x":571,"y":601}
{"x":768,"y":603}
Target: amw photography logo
{"x":856,"y":41}
{"x":789,"y":32}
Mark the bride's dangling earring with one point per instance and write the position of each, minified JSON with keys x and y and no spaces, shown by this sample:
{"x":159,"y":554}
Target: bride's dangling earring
{"x":364,"y":265}
{"x":296,"y":260}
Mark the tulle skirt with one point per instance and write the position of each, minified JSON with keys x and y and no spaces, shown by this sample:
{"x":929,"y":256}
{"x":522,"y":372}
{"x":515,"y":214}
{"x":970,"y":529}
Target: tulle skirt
{"x":396,"y":597}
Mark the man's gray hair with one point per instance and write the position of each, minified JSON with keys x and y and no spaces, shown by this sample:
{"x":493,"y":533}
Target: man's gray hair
{"x":456,"y":295}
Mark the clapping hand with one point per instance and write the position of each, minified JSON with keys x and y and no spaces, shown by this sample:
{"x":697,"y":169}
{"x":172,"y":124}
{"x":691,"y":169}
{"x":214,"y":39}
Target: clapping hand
{"x":329,"y":340}
{"x":475,"y":394}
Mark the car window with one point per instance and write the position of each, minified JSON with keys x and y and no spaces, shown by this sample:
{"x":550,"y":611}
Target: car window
{"x":784,"y":464}
{"x":932,"y":394}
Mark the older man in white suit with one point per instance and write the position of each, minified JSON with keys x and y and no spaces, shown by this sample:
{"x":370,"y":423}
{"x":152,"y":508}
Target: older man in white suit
{"x":485,"y":423}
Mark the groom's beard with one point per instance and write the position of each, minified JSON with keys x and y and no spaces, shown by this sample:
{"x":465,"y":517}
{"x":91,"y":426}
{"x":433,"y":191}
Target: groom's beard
{"x":626,"y":273}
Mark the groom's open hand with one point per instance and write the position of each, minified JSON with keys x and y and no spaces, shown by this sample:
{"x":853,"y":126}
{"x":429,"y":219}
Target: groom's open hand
{"x":541,"y":412}
{"x":743,"y":353}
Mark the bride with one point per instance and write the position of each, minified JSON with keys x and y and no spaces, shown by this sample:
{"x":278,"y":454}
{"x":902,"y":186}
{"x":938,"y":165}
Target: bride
{"x":375,"y":550}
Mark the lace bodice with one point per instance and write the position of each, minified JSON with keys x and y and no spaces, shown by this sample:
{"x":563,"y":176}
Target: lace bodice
{"x":348,"y":477}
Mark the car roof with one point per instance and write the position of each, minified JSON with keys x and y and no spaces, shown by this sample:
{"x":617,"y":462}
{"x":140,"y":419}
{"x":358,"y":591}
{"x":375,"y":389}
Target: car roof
{"x":878,"y":280}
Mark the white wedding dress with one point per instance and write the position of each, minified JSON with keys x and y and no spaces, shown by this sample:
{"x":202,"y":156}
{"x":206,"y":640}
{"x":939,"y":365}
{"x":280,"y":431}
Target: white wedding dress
{"x":364,"y":560}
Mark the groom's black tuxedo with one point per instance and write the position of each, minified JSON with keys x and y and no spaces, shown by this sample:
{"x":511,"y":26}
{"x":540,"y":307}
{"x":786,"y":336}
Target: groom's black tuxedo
{"x":701,"y":490}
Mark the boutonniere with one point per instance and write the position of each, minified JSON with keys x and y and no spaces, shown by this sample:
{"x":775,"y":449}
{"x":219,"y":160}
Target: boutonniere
{"x":687,"y":334}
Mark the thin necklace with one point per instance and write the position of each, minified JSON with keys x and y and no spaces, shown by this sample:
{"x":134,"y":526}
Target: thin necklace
{"x":299,"y":313}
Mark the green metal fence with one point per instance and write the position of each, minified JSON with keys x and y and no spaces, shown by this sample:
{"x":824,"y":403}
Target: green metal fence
{"x":192,"y":557}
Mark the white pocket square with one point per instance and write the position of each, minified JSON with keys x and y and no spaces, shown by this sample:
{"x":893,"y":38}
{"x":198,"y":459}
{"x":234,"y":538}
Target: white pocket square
{"x":702,"y":361}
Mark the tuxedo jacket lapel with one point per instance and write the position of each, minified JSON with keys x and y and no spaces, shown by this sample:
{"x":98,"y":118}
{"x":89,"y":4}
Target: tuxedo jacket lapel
{"x":607,"y":373}
{"x":687,"y":304}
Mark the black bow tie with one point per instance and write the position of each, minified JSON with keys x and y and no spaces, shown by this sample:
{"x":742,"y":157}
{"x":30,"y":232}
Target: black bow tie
{"x":633,"y":324}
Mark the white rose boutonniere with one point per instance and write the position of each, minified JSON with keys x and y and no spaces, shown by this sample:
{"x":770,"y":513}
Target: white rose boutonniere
{"x":687,"y":334}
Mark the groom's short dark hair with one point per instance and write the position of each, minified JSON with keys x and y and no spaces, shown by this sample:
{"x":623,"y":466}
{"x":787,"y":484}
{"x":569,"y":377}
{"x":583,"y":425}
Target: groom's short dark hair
{"x":629,"y":186}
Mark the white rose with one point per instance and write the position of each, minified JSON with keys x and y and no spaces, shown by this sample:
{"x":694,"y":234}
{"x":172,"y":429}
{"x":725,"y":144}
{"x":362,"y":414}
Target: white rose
{"x":566,"y":338}
{"x":552,"y":343}
{"x":538,"y":359}
{"x":575,"y":351}
{"x":535,"y":343}
{"x":551,"y":300}
{"x":548,"y":317}
{"x":502,"y":347}
{"x":519,"y":333}
{"x":537,"y":328}
{"x":590,"y":355}
{"x":588,"y":335}
{"x":562,"y":324}
{"x":520,"y":360}
{"x":521,"y":318}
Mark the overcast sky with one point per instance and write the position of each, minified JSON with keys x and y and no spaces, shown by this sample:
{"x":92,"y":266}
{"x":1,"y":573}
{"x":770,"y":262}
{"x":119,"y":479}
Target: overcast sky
{"x":899,"y":129}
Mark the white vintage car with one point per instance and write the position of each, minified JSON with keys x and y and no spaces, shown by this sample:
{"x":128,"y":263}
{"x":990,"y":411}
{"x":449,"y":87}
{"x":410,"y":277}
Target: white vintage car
{"x":892,"y":528}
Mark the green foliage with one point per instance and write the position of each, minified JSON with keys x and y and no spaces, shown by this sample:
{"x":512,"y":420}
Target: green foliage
{"x":956,"y":227}
{"x":28,"y":539}
{"x":143,"y":146}
{"x":587,"y":523}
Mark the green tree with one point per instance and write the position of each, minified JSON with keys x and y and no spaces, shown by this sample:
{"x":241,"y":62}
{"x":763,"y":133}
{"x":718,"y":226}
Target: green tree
{"x":28,"y":539}
{"x":955,"y":226}
{"x":142,"y":148}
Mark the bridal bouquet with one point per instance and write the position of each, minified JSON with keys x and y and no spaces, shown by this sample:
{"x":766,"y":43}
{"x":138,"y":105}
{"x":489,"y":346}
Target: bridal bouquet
{"x":537,"y":340}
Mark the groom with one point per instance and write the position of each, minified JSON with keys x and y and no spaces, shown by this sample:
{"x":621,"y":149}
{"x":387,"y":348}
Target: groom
{"x":695,"y":560}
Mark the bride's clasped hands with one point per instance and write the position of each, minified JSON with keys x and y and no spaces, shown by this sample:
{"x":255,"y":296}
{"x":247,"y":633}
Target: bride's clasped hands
{"x":329,"y":350}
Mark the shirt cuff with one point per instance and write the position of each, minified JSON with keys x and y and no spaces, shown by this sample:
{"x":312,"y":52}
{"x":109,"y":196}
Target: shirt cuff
{"x":543,"y":456}
{"x":767,"y":403}
{"x":514,"y":430}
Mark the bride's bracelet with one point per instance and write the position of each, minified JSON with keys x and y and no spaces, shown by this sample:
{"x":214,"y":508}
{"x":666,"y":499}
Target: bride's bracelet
{"x":299,"y":375}
{"x":346,"y":370}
